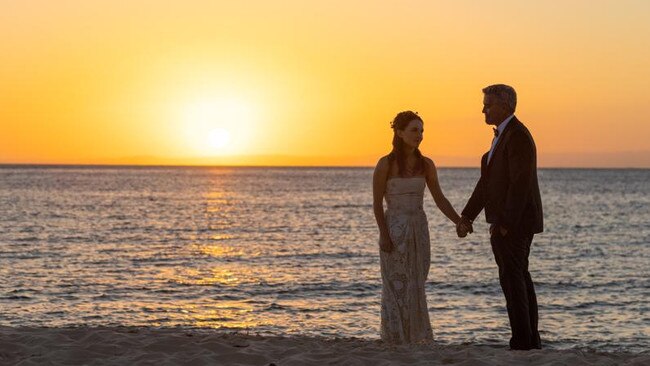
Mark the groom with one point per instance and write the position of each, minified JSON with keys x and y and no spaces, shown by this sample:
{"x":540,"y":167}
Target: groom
{"x":509,"y":193}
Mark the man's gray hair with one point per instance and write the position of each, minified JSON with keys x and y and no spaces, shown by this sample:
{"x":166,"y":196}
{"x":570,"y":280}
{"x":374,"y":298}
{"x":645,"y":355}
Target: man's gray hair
{"x":505,"y":93}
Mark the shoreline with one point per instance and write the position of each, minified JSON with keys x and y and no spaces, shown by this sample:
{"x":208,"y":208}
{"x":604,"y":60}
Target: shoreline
{"x":177,"y":346}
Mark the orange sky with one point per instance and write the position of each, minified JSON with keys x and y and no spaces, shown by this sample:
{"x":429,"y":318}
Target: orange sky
{"x":317,"y":83}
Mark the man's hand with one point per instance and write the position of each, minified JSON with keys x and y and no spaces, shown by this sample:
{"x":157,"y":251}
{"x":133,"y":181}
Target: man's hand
{"x":463,"y":227}
{"x":385,"y":244}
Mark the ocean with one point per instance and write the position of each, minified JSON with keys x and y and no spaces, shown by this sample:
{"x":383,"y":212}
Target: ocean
{"x":293,"y":251}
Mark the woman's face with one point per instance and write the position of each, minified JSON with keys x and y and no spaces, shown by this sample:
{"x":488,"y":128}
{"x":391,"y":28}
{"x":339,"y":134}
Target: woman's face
{"x":412,"y":134}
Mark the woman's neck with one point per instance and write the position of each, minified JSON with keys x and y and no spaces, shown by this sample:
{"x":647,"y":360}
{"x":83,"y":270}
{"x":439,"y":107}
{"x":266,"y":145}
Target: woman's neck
{"x":408,"y":151}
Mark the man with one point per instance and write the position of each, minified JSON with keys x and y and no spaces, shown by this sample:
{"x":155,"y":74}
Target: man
{"x":509,"y":193}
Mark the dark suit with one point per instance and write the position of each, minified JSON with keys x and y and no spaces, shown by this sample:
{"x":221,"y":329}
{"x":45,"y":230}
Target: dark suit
{"x":509,"y":193}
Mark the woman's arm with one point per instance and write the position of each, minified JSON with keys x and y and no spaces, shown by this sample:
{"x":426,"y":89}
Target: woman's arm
{"x":379,"y":179}
{"x":438,"y":197}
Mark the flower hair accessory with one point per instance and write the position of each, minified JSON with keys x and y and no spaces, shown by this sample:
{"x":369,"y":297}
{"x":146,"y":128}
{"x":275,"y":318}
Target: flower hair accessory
{"x":392,"y":123}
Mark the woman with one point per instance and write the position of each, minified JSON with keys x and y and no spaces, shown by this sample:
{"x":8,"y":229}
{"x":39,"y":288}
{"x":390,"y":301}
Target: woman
{"x":400,"y":177}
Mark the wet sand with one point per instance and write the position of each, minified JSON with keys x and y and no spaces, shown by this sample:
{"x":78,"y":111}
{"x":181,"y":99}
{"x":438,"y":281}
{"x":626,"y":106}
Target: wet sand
{"x":133,"y":346}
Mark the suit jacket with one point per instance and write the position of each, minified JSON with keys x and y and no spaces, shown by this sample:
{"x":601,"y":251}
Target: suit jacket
{"x":508,"y":188}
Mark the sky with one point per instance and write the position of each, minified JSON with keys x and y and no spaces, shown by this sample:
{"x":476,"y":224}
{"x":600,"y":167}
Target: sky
{"x":318,"y":82}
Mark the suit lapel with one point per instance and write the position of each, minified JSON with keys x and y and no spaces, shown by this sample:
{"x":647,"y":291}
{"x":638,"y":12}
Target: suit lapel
{"x":502,"y":139}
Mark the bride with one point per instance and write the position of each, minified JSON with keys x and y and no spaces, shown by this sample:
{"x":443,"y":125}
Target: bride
{"x":400,"y":177}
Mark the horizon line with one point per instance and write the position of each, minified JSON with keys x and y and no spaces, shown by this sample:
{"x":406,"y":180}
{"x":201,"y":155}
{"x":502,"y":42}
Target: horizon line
{"x":69,"y":165}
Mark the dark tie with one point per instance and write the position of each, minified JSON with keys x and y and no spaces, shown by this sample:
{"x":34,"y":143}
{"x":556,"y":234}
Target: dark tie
{"x":496,"y":132}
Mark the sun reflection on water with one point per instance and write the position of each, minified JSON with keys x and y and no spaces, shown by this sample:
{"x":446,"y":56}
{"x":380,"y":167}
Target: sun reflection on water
{"x":219,"y":251}
{"x":222,"y":314}
{"x":216,"y":200}
{"x":215,"y":276}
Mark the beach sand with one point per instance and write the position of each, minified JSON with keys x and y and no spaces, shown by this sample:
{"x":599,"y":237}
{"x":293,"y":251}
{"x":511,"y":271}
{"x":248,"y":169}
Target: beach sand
{"x":129,"y":346}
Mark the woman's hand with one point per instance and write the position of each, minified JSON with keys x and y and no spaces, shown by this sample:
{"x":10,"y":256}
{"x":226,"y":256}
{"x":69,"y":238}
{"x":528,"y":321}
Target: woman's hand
{"x":385,"y":244}
{"x":464,"y":226}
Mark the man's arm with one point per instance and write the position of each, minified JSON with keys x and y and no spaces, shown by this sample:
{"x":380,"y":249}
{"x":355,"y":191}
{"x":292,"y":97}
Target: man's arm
{"x":476,"y":202}
{"x":521,"y":164}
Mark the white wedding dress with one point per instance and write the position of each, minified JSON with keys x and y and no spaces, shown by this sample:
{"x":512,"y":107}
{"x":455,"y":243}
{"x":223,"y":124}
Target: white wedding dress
{"x":404,"y":312}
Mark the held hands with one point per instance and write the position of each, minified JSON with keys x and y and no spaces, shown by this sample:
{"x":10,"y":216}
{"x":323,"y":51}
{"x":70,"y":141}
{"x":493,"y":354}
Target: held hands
{"x":463,"y":227}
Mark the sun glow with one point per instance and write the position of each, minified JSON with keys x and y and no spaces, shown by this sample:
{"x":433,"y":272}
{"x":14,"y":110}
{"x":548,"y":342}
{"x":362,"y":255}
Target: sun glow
{"x":219,"y":138}
{"x":218,"y":126}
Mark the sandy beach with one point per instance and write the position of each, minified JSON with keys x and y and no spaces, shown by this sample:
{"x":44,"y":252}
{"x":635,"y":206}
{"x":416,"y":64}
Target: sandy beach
{"x":131,"y":346}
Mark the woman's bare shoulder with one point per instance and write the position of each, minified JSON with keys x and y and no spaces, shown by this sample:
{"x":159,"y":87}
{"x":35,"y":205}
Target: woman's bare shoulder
{"x":383,"y":163}
{"x":428,"y":162}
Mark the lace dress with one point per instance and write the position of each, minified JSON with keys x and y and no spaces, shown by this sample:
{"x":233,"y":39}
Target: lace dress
{"x":404,"y":312}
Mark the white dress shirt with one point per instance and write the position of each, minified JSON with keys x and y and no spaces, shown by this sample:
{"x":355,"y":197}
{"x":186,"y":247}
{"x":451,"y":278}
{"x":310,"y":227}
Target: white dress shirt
{"x":501,"y":128}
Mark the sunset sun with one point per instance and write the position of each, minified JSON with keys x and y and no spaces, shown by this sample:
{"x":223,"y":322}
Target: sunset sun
{"x":219,"y":138}
{"x":218,"y":125}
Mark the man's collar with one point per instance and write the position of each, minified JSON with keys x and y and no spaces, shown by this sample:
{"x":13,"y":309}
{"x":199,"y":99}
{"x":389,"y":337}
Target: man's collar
{"x":503,"y":124}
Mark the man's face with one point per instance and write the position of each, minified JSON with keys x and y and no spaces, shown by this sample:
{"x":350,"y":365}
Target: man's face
{"x":494,"y":109}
